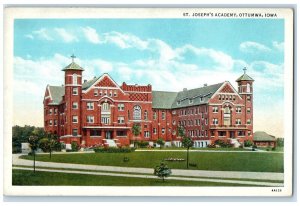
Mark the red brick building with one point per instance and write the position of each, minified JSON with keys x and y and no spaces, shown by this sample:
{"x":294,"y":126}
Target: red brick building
{"x":100,"y":111}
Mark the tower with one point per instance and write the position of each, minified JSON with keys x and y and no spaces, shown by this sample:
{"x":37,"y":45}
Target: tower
{"x":245,"y":89}
{"x":73,"y":89}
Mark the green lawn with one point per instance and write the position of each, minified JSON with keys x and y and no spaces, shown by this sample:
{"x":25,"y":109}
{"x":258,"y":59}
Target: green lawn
{"x":217,"y":161}
{"x":22,"y":177}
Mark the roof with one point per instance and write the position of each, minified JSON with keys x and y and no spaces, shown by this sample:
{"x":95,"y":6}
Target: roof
{"x":73,"y":66}
{"x":163,"y":100}
{"x":263,"y":136}
{"x":89,"y":83}
{"x":56,"y":93}
{"x":196,"y":96}
{"x":245,"y":77}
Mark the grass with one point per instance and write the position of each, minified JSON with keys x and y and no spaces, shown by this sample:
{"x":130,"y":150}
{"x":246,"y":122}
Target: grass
{"x":184,"y":149}
{"x":23,"y":177}
{"x":220,"y":161}
{"x":134,"y":173}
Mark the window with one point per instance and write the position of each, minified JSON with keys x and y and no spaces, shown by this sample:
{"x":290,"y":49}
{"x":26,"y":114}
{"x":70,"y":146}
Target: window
{"x":75,"y":132}
{"x":146,"y":134}
{"x":174,"y":122}
{"x":154,"y":115}
{"x":95,"y":92}
{"x":238,"y":109}
{"x":121,"y":133}
{"x":205,"y":121}
{"x":137,"y":112}
{"x":233,"y":97}
{"x":190,"y":101}
{"x":55,"y":111}
{"x":249,"y":98}
{"x":50,"y":122}
{"x":74,"y":80}
{"x":105,"y":119}
{"x":121,"y":107}
{"x":174,"y":112}
{"x":90,"y":119}
{"x":75,"y":91}
{"x":248,"y":88}
{"x":178,"y":102}
{"x":95,"y":132}
{"x":115,"y":93}
{"x":145,"y":115}
{"x":75,"y":105}
{"x":220,"y":97}
{"x":105,"y":92}
{"x":121,"y":120}
{"x":227,"y":116}
{"x":215,"y":109}
{"x":174,"y":132}
{"x":154,"y":130}
{"x":215,"y":121}
{"x":248,"y":121}
{"x":75,"y":119}
{"x":238,"y":121}
{"x":50,"y":111}
{"x":248,"y":110}
{"x":201,"y":99}
{"x":249,"y":133}
{"x":105,"y":107}
{"x":163,"y":115}
{"x":90,"y":105}
{"x":100,"y":92}
{"x":163,"y":130}
{"x":110,"y":93}
{"x":241,"y":133}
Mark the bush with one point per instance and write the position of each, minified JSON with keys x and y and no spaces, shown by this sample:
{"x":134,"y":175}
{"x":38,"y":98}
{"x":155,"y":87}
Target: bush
{"x":211,"y":146}
{"x":114,"y":150}
{"x":74,"y":146}
{"x":248,"y":143}
{"x":126,"y":159}
{"x":143,"y":144}
{"x":222,"y":143}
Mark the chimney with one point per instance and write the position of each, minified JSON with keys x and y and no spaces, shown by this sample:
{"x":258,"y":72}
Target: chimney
{"x":84,"y":81}
{"x":205,"y":85}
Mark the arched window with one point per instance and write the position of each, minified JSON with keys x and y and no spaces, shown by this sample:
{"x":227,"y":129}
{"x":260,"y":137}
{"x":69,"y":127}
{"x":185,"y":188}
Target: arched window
{"x":105,"y":113}
{"x":248,"y":88}
{"x":137,"y":112}
{"x":227,"y":116}
{"x":74,"y":78}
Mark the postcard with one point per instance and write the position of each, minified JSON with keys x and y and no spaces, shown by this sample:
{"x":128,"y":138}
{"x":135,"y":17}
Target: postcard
{"x":148,"y":101}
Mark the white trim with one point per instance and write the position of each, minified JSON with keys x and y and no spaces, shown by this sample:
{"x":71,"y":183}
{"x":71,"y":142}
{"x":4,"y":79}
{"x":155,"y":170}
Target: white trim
{"x":99,"y":79}
{"x":73,"y":85}
{"x":137,"y":92}
{"x":122,"y":101}
{"x":246,"y":93}
{"x":105,"y":127}
{"x":47,"y":97}
{"x":69,"y":135}
{"x":71,"y":75}
{"x":48,"y":88}
{"x":221,"y":87}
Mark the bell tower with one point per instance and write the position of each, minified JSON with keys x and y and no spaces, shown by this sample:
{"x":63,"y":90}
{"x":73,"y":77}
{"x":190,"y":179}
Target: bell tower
{"x":73,"y":89}
{"x":245,"y":89}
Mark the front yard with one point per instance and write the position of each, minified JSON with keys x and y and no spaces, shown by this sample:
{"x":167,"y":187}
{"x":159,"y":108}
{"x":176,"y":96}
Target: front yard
{"x":217,"y":161}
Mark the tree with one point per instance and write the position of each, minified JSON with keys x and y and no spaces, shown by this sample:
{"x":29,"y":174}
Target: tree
{"x":33,"y":142}
{"x":181,"y":131}
{"x":136,"y":129}
{"x":162,"y":171}
{"x":161,"y":142}
{"x":280,"y":142}
{"x":187,"y":142}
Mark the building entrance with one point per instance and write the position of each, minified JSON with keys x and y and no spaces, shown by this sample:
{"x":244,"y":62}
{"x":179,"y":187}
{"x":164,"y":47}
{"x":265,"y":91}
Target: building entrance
{"x":108,"y":135}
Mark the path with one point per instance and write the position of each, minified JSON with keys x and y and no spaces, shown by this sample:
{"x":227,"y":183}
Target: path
{"x":175,"y":172}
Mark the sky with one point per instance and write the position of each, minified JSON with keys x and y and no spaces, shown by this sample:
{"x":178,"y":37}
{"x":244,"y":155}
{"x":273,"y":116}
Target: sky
{"x":169,"y":54}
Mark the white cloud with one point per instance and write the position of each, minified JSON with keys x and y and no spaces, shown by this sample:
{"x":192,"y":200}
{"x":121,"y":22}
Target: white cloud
{"x":29,"y":36}
{"x":66,"y":36}
{"x":278,"y":45}
{"x":252,"y":47}
{"x":124,"y":41}
{"x":43,"y":34}
{"x":91,"y":35}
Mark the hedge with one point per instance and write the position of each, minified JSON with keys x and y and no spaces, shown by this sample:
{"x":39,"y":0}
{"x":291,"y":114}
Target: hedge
{"x":114,"y":150}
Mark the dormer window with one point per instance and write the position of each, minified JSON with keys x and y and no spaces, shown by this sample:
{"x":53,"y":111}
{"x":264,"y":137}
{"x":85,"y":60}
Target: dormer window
{"x":190,"y":101}
{"x":96,"y":92}
{"x":178,"y":102}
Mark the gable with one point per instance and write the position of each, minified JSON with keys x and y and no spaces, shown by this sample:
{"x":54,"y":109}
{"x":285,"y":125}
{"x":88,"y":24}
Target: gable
{"x":105,"y":82}
{"x":227,"y":89}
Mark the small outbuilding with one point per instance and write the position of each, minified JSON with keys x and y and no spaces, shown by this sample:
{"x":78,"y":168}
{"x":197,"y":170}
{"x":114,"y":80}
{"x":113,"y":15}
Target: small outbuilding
{"x":263,"y":139}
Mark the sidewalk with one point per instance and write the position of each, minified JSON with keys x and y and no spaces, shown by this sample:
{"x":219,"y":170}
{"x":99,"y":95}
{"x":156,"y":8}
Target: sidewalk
{"x":175,"y":172}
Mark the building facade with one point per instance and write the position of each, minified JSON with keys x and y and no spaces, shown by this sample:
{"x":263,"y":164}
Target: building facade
{"x":101,"y":112}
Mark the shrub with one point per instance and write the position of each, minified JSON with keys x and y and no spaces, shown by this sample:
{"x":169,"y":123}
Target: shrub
{"x":75,"y":146}
{"x":114,"y":150}
{"x":248,"y":143}
{"x":211,"y":146}
{"x":162,"y":171}
{"x":222,"y":143}
{"x":142,"y":144}
{"x":126,"y":159}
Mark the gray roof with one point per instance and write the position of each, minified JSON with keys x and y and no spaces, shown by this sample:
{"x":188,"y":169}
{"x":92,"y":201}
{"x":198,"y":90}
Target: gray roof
{"x":163,"y":100}
{"x":193,"y":97}
{"x":263,"y":136}
{"x":73,"y":66}
{"x":245,"y":77}
{"x":196,"y":96}
{"x":89,"y":83}
{"x":56,"y":93}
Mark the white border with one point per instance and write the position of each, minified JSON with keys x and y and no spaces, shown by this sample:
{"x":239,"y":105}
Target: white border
{"x":13,"y":13}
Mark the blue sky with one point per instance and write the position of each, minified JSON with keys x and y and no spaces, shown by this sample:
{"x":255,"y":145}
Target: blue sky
{"x":168,"y":53}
